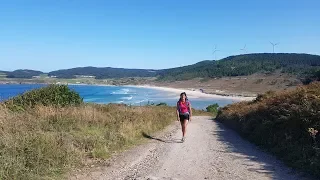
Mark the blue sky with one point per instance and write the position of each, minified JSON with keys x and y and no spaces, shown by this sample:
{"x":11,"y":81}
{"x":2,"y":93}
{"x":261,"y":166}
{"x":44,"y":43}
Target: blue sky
{"x":54,"y":34}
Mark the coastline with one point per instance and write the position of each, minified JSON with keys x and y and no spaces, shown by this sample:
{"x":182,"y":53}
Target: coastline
{"x":191,"y":93}
{"x":194,"y":93}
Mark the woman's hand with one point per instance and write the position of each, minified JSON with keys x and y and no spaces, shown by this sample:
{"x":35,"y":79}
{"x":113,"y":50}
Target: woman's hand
{"x":178,"y":119}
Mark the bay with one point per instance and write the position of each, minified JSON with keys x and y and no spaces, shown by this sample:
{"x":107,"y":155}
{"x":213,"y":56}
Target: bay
{"x":117,"y":94}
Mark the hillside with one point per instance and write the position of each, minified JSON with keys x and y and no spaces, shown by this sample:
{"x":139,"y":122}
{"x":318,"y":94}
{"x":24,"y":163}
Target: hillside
{"x":244,"y":75}
{"x":103,"y":73}
{"x":302,"y":65}
{"x":250,"y":85}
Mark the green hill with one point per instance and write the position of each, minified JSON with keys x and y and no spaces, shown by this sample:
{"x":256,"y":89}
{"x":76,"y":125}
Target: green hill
{"x":305,"y":66}
{"x":300,"y":64}
{"x":3,"y":73}
{"x":23,"y":73}
{"x":103,"y":73}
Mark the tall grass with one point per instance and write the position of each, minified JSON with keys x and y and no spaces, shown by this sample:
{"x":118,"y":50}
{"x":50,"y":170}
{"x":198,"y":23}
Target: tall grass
{"x":285,"y":123}
{"x":44,"y":142}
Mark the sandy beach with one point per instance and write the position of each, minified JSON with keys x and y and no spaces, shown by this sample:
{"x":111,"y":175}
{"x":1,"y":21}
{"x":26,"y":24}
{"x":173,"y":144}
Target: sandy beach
{"x":194,"y":93}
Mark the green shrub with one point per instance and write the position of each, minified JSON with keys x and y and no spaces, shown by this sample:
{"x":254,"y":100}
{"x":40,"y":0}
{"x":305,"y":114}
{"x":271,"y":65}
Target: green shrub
{"x":53,"y":95}
{"x":285,"y":123}
{"x":213,"y":108}
{"x":162,"y":104}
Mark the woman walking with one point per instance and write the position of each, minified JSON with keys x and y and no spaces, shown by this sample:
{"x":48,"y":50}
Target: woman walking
{"x":184,"y":113}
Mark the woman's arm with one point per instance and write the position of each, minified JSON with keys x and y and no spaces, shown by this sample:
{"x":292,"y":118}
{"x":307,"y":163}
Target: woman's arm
{"x":190,"y":110}
{"x":178,"y":112}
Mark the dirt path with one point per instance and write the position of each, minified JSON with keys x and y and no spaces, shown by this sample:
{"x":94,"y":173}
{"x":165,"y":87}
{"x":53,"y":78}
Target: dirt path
{"x":210,"y":152}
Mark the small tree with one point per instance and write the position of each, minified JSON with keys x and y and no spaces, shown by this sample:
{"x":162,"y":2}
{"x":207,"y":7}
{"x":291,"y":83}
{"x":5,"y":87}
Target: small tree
{"x":213,"y":108}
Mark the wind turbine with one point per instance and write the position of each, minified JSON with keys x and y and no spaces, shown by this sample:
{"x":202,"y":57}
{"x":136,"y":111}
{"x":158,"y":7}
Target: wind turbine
{"x":244,"y":49}
{"x":214,"y":52}
{"x":273,"y":45}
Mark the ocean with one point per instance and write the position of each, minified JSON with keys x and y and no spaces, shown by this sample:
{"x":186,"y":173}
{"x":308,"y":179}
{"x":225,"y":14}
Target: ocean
{"x":118,"y":94}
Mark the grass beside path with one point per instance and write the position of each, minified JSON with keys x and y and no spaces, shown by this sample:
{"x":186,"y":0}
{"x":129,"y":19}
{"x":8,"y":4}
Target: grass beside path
{"x":285,"y":123}
{"x":45,"y":142}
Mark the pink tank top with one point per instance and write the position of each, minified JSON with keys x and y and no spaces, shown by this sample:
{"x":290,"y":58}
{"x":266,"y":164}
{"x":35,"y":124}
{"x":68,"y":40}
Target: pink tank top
{"x":184,"y":107}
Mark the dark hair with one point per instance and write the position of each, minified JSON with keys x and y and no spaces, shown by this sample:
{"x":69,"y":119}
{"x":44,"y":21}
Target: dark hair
{"x":183,"y":93}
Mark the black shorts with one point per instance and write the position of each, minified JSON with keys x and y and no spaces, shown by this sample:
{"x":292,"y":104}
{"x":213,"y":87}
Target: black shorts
{"x":184,"y":116}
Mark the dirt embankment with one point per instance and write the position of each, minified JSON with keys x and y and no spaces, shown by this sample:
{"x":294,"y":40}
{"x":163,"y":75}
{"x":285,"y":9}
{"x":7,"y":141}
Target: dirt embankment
{"x":242,"y":85}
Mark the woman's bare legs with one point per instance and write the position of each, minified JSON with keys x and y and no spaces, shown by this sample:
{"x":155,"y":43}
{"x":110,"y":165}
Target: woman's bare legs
{"x":184,"y":124}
